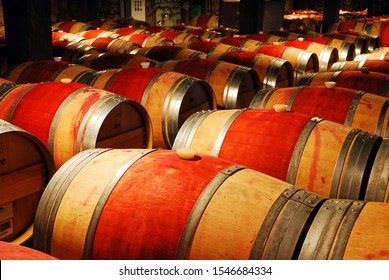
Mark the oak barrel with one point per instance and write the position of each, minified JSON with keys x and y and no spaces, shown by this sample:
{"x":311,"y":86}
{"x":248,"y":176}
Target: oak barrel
{"x":369,"y":81}
{"x":378,"y":185}
{"x":348,"y":230}
{"x":9,"y":251}
{"x":368,"y":112}
{"x":26,"y":167}
{"x":326,"y":55}
{"x":110,"y":44}
{"x":163,"y":53}
{"x":71,"y":51}
{"x":234,"y":85}
{"x":45,"y":71}
{"x":113,"y":60}
{"x":205,"y":21}
{"x":272,"y":71}
{"x":374,"y":65}
{"x":168,"y":96}
{"x":209,"y":47}
{"x":303,"y":61}
{"x":208,"y":208}
{"x":69,"y":118}
{"x":322,"y":156}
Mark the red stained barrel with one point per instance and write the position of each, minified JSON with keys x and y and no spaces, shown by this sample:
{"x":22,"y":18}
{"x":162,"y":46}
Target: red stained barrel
{"x":371,"y":82}
{"x":69,"y":118}
{"x":319,"y":155}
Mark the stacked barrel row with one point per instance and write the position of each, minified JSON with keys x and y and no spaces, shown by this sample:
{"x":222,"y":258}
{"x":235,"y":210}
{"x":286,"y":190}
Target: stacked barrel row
{"x":317,"y":183}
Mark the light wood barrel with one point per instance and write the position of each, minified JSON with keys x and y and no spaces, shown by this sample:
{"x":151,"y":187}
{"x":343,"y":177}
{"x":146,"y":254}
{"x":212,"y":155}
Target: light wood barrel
{"x":303,"y":61}
{"x":383,"y":55}
{"x":346,"y":49}
{"x":234,"y":85}
{"x":26,"y":166}
{"x":237,"y":41}
{"x":326,"y":55}
{"x":168,"y":96}
{"x":348,"y":230}
{"x":272,"y":71}
{"x":360,"y":42}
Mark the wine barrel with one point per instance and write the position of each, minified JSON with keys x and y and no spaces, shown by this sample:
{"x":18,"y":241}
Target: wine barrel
{"x":375,"y":65}
{"x":303,"y":61}
{"x":223,"y":204}
{"x":108,"y":25}
{"x":346,"y":49}
{"x":209,"y":47}
{"x":384,"y":55}
{"x":237,"y":41}
{"x":349,"y":107}
{"x":26,"y":167}
{"x":205,"y":21}
{"x":98,"y":33}
{"x":371,"y":82}
{"x":322,"y":156}
{"x":326,"y":55}
{"x":66,"y":36}
{"x":381,"y":49}
{"x":9,"y":251}
{"x":345,"y":230}
{"x":288,"y":35}
{"x":110,"y":44}
{"x":234,"y":85}
{"x":360,"y":43}
{"x":168,"y":96}
{"x":73,"y":26}
{"x":146,"y":40}
{"x":272,"y":71}
{"x":265,"y":37}
{"x":69,"y":118}
{"x":384,"y":37}
{"x":378,"y":185}
{"x":163,"y":53}
{"x":197,"y":194}
{"x":203,"y":34}
{"x":113,"y":60}
{"x":381,"y":29}
{"x":178,"y":36}
{"x":71,"y":51}
{"x":124,"y":31}
{"x":45,"y":71}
